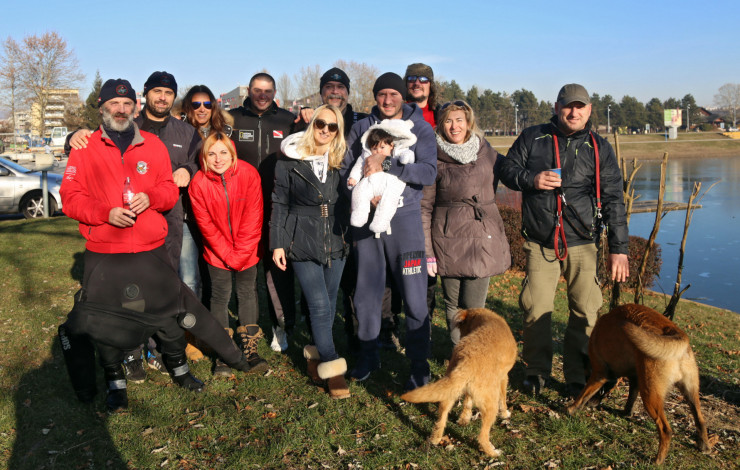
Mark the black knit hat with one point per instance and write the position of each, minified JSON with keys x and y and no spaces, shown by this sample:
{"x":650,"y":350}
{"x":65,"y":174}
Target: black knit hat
{"x":334,"y":75}
{"x":392,"y":81}
{"x":160,"y":79}
{"x":116,"y":88}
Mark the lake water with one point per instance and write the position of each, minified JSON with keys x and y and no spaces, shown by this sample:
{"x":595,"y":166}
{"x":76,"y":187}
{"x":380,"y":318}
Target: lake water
{"x":712,"y":257}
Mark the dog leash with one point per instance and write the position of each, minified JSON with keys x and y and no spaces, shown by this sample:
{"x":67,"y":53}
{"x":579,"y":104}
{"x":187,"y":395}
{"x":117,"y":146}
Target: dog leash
{"x":560,"y":197}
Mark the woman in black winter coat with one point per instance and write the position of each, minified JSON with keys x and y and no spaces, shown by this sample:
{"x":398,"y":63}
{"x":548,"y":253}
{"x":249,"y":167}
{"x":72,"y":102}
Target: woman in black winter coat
{"x":307,"y":229}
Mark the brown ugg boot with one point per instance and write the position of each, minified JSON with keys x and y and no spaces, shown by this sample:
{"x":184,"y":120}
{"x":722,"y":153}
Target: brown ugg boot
{"x":313,"y":360}
{"x":333,"y":372}
{"x":248,"y":336}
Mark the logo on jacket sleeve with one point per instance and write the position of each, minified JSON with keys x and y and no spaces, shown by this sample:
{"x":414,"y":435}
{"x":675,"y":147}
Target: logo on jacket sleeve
{"x":142,"y":168}
{"x":277,"y":134}
{"x":70,"y":172}
{"x":246,"y":135}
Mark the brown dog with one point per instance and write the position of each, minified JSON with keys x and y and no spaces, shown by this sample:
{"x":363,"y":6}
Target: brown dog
{"x":637,"y":342}
{"x":478,"y":369}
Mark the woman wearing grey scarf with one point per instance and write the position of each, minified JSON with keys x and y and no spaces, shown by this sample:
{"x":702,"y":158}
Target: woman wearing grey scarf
{"x":465,"y":239}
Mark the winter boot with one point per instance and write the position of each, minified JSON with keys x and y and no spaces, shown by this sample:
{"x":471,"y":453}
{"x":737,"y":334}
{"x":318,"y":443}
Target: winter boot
{"x":248,"y":337}
{"x":117,"y":399}
{"x":333,"y":372}
{"x":368,"y":361}
{"x":313,"y":360}
{"x":177,"y":364}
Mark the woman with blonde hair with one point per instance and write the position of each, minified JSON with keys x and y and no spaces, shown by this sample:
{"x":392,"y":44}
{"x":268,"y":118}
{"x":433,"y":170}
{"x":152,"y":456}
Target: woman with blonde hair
{"x":464,"y":232}
{"x":226,"y":196}
{"x":307,"y":228}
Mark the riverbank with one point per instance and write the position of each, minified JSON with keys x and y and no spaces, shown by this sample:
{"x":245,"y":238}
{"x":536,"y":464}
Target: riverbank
{"x":652,"y":146}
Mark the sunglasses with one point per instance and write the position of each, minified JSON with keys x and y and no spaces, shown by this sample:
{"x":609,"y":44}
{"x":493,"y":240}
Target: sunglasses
{"x":461,"y":104}
{"x":320,"y":124}
{"x":413,"y":78}
{"x":196,"y":104}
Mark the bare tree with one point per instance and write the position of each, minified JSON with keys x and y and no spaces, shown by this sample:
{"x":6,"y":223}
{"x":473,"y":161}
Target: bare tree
{"x":728,"y":97}
{"x":10,"y":87}
{"x":362,"y":78}
{"x":47,"y":64}
{"x":284,"y":86}
{"x":307,"y":80}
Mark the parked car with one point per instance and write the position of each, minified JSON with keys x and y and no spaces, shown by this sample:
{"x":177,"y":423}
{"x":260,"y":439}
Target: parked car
{"x":20,"y":190}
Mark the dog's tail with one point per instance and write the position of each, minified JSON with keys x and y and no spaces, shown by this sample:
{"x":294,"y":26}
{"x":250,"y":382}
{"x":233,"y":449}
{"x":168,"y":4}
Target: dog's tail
{"x":446,"y":388}
{"x":670,"y":344}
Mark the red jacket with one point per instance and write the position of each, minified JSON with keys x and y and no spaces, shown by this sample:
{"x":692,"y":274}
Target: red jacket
{"x":228,"y":209}
{"x":93,"y":185}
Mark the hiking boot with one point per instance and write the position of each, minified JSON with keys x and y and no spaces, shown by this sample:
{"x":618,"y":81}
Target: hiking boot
{"x":533,"y":384}
{"x":247,"y":339}
{"x":220,"y":369}
{"x":117,"y":398}
{"x":279,"y":339}
{"x":154,"y":362}
{"x":134,"y":368}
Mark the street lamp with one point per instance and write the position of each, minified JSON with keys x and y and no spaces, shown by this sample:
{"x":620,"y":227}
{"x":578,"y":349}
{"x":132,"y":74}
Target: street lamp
{"x":688,"y":117}
{"x":516,"y":119}
{"x":608,"y":118}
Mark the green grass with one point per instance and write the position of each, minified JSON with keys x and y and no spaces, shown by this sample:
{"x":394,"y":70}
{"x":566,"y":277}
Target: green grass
{"x":281,"y":421}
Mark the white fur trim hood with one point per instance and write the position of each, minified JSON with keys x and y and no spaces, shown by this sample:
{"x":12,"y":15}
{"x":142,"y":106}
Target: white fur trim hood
{"x":290,"y":150}
{"x":400,"y":129}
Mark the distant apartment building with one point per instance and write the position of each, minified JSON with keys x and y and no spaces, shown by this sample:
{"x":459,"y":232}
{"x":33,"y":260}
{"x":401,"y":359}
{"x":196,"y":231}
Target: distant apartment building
{"x":58,"y":101}
{"x":234,"y":98}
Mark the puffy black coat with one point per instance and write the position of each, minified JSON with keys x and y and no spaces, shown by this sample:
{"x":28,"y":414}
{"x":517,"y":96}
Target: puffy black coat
{"x":297,"y":224}
{"x":533,"y":152}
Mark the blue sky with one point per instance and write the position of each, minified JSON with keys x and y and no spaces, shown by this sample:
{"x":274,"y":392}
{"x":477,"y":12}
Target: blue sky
{"x":644,"y":49}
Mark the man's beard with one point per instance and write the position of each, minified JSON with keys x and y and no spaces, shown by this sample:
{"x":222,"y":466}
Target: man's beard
{"x":416,"y":99}
{"x":110,"y":122}
{"x":155,"y":113}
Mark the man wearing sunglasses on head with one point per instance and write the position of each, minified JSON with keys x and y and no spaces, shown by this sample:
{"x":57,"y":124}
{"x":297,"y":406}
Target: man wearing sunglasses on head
{"x":422,"y":90}
{"x":260,"y":126}
{"x":183,"y":143}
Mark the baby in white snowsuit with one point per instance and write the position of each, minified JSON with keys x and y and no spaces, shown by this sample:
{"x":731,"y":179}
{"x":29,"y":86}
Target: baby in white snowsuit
{"x":391,"y":138}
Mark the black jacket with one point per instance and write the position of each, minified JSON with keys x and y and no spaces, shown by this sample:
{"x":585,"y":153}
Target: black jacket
{"x":297,"y":224}
{"x":533,"y":152}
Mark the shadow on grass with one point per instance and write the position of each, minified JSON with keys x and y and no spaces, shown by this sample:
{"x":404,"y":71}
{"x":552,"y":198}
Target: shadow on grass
{"x":53,"y":429}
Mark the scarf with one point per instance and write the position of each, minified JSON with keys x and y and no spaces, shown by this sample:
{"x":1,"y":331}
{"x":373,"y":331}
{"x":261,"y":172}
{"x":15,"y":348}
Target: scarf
{"x":463,"y":153}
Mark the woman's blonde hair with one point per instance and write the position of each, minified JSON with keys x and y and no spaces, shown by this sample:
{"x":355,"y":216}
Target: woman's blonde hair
{"x":209,"y":142}
{"x":458,"y":105}
{"x":306,"y":146}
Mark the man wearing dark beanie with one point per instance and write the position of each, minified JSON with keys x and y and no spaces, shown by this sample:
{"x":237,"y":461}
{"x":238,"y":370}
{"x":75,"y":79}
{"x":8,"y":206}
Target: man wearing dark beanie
{"x":182,"y":143}
{"x":422,"y":90}
{"x":401,"y":249}
{"x":119,"y":193}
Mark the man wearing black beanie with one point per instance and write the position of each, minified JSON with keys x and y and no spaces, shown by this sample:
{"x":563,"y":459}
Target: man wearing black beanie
{"x":401,"y":249}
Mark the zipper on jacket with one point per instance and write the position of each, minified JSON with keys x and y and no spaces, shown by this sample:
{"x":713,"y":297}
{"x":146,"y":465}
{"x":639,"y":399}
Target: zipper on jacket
{"x":326,"y":222}
{"x":228,"y":208}
{"x":259,"y":141}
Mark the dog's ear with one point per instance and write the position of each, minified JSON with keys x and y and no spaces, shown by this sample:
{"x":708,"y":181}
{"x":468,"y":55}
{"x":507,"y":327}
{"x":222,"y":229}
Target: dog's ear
{"x":461,"y":316}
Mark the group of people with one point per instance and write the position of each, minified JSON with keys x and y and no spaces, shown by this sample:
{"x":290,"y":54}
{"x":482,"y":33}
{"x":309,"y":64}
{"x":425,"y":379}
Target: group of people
{"x":379,"y":204}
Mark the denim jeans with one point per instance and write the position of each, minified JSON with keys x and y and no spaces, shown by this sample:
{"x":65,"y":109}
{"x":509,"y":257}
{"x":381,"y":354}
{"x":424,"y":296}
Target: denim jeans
{"x":189,"y":273}
{"x":320,"y":284}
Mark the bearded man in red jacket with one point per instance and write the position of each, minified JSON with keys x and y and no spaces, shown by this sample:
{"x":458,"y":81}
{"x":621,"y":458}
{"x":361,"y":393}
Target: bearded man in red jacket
{"x":130,"y":289}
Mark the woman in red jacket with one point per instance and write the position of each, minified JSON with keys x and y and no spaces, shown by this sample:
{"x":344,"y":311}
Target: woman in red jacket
{"x":226,"y":196}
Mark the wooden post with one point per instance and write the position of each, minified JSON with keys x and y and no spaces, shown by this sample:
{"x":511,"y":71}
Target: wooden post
{"x":654,"y":233}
